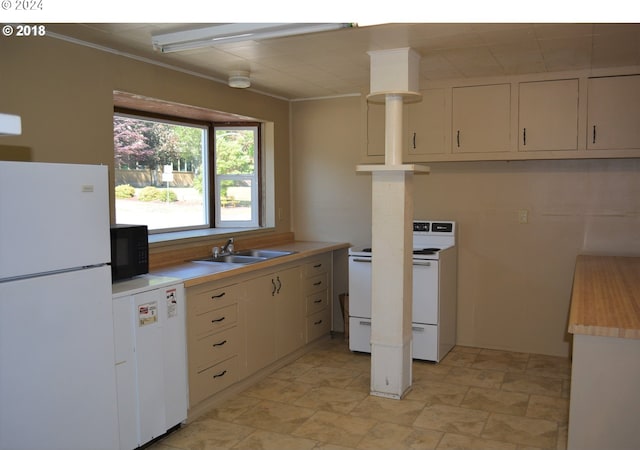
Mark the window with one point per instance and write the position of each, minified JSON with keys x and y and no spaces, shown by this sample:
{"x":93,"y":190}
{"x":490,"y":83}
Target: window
{"x":170,"y":175}
{"x":236,"y":175}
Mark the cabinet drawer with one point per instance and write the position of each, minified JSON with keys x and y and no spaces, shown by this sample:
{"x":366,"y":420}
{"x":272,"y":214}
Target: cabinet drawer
{"x":315,"y":284}
{"x":214,"y":348}
{"x":318,"y":325}
{"x":317,"y":302}
{"x":212,"y":380}
{"x":214,"y":321}
{"x":318,"y":265}
{"x":202,"y":302}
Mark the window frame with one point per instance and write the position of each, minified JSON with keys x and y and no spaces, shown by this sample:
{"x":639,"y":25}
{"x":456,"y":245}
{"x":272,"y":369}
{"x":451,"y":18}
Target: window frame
{"x":256,"y":187}
{"x":209,"y":179}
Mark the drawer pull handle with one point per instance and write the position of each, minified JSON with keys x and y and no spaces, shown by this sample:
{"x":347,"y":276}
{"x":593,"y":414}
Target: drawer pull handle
{"x":273,"y":291}
{"x":420,"y":329}
{"x":218,"y":320}
{"x":221,"y":374}
{"x":318,"y":301}
{"x":279,"y":285}
{"x":219,"y":344}
{"x":365,"y":323}
{"x":317,"y":283}
{"x":362,"y":260}
{"x":218,"y":296}
{"x":318,"y":322}
{"x":594,"y":134}
{"x":317,"y":266}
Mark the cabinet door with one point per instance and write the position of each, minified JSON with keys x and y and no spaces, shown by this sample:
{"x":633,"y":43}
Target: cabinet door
{"x":260,"y":319}
{"x":290,"y":309}
{"x":614,"y":113}
{"x":426,"y":123}
{"x":548,"y":115}
{"x":375,"y":129}
{"x":481,"y":118}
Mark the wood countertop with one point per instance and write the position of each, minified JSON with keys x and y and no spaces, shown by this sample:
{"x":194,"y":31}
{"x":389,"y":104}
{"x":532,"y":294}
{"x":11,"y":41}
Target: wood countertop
{"x":195,"y":273}
{"x":606,"y":297}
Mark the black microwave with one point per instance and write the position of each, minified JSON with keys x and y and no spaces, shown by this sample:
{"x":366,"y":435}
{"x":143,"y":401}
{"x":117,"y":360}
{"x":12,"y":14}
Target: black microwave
{"x":129,"y":251}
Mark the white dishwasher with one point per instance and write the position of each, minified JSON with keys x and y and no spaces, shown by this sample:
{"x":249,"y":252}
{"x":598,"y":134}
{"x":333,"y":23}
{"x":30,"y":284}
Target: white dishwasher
{"x":151,"y":364}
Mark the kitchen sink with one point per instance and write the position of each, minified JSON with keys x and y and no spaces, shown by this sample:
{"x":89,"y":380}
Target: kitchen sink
{"x":259,"y":253}
{"x":246,"y":256}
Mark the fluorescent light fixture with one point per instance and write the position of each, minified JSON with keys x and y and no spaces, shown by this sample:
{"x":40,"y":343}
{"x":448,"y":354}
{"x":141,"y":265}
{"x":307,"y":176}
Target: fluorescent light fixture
{"x":10,"y":125}
{"x":235,"y":32}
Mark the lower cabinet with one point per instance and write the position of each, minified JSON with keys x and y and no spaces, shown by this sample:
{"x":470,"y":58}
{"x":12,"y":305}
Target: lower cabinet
{"x":272,"y":313}
{"x":241,"y":325}
{"x":316,"y":288}
{"x":214,"y":340}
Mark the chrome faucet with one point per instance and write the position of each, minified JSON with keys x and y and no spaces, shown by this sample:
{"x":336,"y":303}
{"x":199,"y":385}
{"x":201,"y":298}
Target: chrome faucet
{"x":227,"y":249}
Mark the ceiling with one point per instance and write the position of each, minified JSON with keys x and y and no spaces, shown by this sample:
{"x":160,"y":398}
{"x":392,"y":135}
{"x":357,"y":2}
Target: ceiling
{"x":336,"y":63}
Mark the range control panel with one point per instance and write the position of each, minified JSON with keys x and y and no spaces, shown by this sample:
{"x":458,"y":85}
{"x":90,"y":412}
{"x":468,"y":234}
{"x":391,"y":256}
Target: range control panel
{"x":425,"y":226}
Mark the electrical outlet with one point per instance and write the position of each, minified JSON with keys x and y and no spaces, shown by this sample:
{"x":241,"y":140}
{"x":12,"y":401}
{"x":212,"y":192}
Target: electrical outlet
{"x":523,"y":216}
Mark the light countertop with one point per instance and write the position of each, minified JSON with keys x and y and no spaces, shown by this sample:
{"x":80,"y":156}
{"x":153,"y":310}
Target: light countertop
{"x":195,"y":273}
{"x":606,"y":297}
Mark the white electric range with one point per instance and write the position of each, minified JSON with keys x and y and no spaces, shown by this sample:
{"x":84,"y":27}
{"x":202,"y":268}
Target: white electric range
{"x":434,"y":292}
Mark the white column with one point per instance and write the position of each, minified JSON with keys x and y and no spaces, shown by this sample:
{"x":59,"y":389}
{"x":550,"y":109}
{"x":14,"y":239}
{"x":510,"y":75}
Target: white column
{"x":392,"y":213}
{"x":393,"y":129}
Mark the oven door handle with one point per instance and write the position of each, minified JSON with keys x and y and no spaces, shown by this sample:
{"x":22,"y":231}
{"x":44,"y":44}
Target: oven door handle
{"x":422,"y":263}
{"x":362,"y":260}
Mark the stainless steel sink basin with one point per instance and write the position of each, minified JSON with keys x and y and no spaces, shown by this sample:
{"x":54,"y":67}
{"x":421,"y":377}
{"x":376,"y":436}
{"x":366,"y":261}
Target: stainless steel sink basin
{"x":259,"y":253}
{"x":246,"y":256}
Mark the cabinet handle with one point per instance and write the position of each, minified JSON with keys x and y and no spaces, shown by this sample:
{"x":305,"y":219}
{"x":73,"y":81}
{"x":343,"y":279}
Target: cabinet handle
{"x":524,"y":136}
{"x":317,"y":266}
{"x":318,"y":322}
{"x":365,"y":323}
{"x":219,"y":344}
{"x":420,"y":329}
{"x":594,"y":134}
{"x":273,"y":291}
{"x":218,"y":296}
{"x":218,"y":320}
{"x":317,"y":283}
{"x":458,"y":138}
{"x":414,"y":140}
{"x":279,"y":285}
{"x":318,"y":301}
{"x":221,"y":374}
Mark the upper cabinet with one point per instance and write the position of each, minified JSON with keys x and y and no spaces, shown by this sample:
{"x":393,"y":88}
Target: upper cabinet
{"x":548,"y":115}
{"x":481,"y":119}
{"x":571,"y":115}
{"x":614,"y":113}
{"x":375,"y":129}
{"x":427,"y":124}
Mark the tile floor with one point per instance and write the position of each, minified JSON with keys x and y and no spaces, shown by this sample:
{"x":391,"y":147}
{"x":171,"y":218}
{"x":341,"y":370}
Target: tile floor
{"x":474,"y":399}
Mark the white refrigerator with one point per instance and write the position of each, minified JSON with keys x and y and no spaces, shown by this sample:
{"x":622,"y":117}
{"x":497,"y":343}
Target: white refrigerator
{"x":57,"y":376}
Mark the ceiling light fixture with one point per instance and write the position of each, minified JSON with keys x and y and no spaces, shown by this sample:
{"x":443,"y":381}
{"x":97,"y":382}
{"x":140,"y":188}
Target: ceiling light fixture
{"x":235,"y":32}
{"x":239,"y":79}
